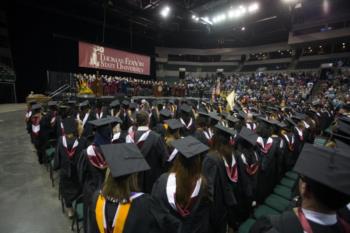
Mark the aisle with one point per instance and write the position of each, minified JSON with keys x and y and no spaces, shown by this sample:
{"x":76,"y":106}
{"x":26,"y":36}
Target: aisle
{"x":28,"y":203}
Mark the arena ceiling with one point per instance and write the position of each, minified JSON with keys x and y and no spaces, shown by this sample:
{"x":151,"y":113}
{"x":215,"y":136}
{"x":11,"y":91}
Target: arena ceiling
{"x":271,"y":23}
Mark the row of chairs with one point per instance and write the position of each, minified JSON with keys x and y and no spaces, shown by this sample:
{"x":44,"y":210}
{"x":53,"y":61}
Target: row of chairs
{"x":280,"y":200}
{"x":78,"y":205}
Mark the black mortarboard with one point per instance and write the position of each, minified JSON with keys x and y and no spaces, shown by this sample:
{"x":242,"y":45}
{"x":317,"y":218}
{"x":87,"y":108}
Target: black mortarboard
{"x":189,"y":146}
{"x":125,"y":102}
{"x":241,"y":115}
{"x":84,"y":103}
{"x":248,"y":135}
{"x":186,"y":108}
{"x":72,"y":102}
{"x":174,"y":124}
{"x":328,"y":166}
{"x":52,"y":103}
{"x":105,"y":121}
{"x":36,"y":107}
{"x":273,"y":108}
{"x":225,"y":114}
{"x":133,"y":105}
{"x":214,"y":116}
{"x":299,"y":116}
{"x":165,"y":113}
{"x":203,"y":114}
{"x":232,"y":119}
{"x":229,"y":131}
{"x":290,"y":122}
{"x":124,"y":159}
{"x":114,"y":103}
{"x":344,"y":119}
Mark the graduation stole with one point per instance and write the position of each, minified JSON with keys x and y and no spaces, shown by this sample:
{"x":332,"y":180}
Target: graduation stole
{"x":115,"y":137}
{"x":171,"y":194}
{"x":165,"y":125}
{"x":28,"y":115}
{"x":208,"y":135}
{"x":35,"y":125}
{"x":53,"y":118}
{"x":265,"y":148}
{"x":251,"y":126}
{"x":251,"y":169}
{"x":306,"y":124}
{"x":95,"y":157}
{"x":231,"y":170}
{"x":289,"y":142}
{"x":85,"y":117}
{"x":306,"y":225}
{"x":120,"y":216}
{"x":70,"y":152}
{"x":130,"y":138}
{"x":188,"y":126}
{"x":172,"y":155}
{"x":99,"y":114}
{"x":300,"y":133}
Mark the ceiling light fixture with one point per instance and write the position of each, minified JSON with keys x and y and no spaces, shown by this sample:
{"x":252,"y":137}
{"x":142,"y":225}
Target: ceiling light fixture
{"x":165,"y":12}
{"x":253,"y":7}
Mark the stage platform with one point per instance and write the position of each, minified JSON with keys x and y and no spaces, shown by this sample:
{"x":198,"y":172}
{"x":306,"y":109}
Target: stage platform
{"x":12,"y":107}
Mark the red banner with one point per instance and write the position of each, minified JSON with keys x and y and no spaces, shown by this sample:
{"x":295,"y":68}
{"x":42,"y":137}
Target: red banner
{"x":95,"y":56}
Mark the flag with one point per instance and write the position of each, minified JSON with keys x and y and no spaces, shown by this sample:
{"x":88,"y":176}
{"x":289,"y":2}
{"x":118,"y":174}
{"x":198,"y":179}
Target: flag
{"x":231,"y":101}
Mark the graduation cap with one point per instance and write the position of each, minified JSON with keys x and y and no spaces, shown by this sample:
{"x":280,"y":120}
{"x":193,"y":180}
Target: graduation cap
{"x":344,"y":119}
{"x":232,"y":119}
{"x":114,"y":103}
{"x":343,"y":127}
{"x":106,"y":121}
{"x":229,"y":131}
{"x":52,"y":103}
{"x":36,"y":107}
{"x":125,"y":102}
{"x":174,"y":124}
{"x":225,"y":114}
{"x":124,"y":159}
{"x":72,"y":102}
{"x":214,"y":116}
{"x":165,"y":113}
{"x":326,"y":165}
{"x":186,"y":108}
{"x":133,"y":105}
{"x":203,"y":114}
{"x":241,"y":115}
{"x":32,"y":102}
{"x":248,"y":135}
{"x":189,"y":146}
{"x":299,"y":116}
{"x":84,"y":104}
{"x":290,"y":122}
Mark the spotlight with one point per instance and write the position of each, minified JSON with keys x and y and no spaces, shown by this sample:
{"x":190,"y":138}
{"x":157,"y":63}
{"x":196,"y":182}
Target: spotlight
{"x":290,"y":1}
{"x":242,"y":28}
{"x":165,"y":12}
{"x":242,"y":10}
{"x":253,"y":7}
{"x":194,"y":17}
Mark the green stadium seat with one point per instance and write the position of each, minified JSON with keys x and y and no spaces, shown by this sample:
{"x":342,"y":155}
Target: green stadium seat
{"x":288,"y":183}
{"x":283,"y":192}
{"x":292,"y":175}
{"x":245,"y":227}
{"x":264,"y":210}
{"x":276,"y":202}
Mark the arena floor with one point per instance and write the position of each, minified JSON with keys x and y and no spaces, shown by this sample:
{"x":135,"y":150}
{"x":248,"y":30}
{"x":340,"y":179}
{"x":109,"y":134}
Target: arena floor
{"x":28,"y":202}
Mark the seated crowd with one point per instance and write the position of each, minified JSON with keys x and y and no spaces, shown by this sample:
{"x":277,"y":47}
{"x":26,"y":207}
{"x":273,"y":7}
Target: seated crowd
{"x":185,"y":165}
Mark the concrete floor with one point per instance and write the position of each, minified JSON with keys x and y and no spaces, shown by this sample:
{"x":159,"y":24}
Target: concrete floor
{"x":28,"y":203}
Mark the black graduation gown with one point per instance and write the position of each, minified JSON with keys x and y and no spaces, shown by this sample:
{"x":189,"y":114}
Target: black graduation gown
{"x":155,"y":152}
{"x":299,"y":142}
{"x":222,"y":192}
{"x":159,"y":128}
{"x":40,"y":140}
{"x":91,"y":179}
{"x":53,"y":120}
{"x":69,"y":182}
{"x":247,"y":182}
{"x":88,"y":128}
{"x":288,"y":222}
{"x":145,"y":215}
{"x":198,"y":220}
{"x":289,"y":154}
{"x":268,"y":169}
{"x":184,"y":131}
{"x":199,"y":134}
